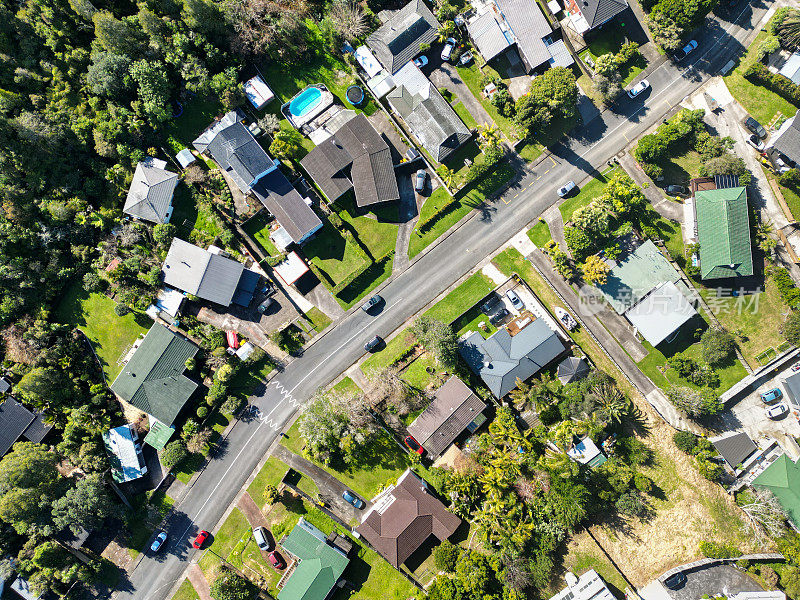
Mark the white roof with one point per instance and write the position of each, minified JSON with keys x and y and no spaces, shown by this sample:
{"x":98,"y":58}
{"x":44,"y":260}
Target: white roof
{"x":258,"y":92}
{"x":554,"y":6}
{"x":185,"y":157}
{"x":583,"y":451}
{"x":169,"y":301}
{"x":659,"y":314}
{"x":281,"y":238}
{"x":381,"y":84}
{"x":245,"y":350}
{"x":367,"y":60}
{"x":291,"y":269}
{"x":120,"y":442}
{"x":21,"y":586}
{"x":588,"y":586}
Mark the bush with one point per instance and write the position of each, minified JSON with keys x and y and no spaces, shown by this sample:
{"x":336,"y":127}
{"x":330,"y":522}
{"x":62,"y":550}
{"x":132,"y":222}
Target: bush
{"x":173,"y":454}
{"x":445,"y":556}
{"x":230,"y":586}
{"x":503,"y":102}
{"x":760,"y":74}
{"x":769,"y":576}
{"x":232,"y":405}
{"x":92,"y":282}
{"x":579,"y":242}
{"x":632,"y":504}
{"x":789,"y":292}
{"x":717,"y":345}
{"x":790,"y":179}
{"x":202,"y":412}
{"x":121,"y":309}
{"x":270,"y":494}
{"x":643,"y":483}
{"x":654,"y":172}
{"x":627,"y":53}
{"x":717,"y":550}
{"x":685,"y":441}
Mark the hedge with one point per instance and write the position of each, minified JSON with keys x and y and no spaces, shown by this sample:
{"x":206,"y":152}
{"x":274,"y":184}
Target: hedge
{"x":779,"y":84}
{"x":321,"y":275}
{"x":351,"y":277}
{"x":786,"y":287}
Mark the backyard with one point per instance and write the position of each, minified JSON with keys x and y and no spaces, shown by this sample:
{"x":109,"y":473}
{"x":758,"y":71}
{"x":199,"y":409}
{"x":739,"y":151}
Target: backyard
{"x":472,"y":76}
{"x":258,"y":228}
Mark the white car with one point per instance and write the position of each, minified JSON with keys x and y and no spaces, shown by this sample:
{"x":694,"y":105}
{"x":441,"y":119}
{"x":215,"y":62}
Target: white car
{"x":450,"y":43}
{"x":566,"y":189}
{"x":421,"y":61}
{"x":754,"y":141}
{"x":465,"y":58}
{"x":773,"y":412}
{"x":638,"y":88}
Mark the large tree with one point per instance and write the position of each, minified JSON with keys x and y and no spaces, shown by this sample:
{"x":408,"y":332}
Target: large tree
{"x":85,"y":506}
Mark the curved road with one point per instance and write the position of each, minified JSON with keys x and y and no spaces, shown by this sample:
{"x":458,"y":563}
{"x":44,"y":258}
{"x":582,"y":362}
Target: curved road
{"x":589,"y":147}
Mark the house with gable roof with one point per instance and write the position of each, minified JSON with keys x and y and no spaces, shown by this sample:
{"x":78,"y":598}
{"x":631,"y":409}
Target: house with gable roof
{"x":150,"y":193}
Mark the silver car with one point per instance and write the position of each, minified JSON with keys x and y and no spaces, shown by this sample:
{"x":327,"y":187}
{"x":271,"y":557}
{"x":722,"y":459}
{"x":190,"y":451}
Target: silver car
{"x":565,"y":189}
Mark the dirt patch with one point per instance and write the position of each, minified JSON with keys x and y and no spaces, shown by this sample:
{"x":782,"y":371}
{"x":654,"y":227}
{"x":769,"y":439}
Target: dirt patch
{"x":117,"y":554}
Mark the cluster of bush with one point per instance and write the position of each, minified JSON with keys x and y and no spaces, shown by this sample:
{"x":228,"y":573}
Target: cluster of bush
{"x":702,"y":450}
{"x":789,"y":292}
{"x":561,"y":261}
{"x":670,"y":20}
{"x":607,"y":80}
{"x":775,"y":82}
{"x":689,"y":369}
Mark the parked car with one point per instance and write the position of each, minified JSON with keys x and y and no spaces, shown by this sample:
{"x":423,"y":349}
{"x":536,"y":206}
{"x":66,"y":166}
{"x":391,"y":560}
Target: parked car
{"x":353,"y":499}
{"x":449,"y":44}
{"x":158,"y":543}
{"x":276,"y":560}
{"x":373,"y":344}
{"x":267,"y":305}
{"x":685,"y":51}
{"x":772,"y":396}
{"x":498,"y":316}
{"x":263,"y":539}
{"x":413,"y":444}
{"x":465,"y":58}
{"x":421,"y":61}
{"x":514,"y":299}
{"x":419,"y":180}
{"x":676,"y":190}
{"x":755,"y":127}
{"x":372,"y":302}
{"x":565,"y":189}
{"x":754,"y":141}
{"x":200,"y":539}
{"x":638,"y":88}
{"x":774,"y":412}
{"x":676,"y":581}
{"x":796,"y":367}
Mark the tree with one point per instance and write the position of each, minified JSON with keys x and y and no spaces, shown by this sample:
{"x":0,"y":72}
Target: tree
{"x":790,"y":179}
{"x":789,"y":30}
{"x":448,"y":176}
{"x":490,"y":135}
{"x":791,"y":328}
{"x":163,"y":234}
{"x":726,"y":164}
{"x":284,"y":145}
{"x":445,"y":556}
{"x":765,"y":237}
{"x":666,"y":32}
{"x":765,"y":516}
{"x":269,"y":122}
{"x":173,"y":454}
{"x":46,"y":388}
{"x":608,"y":88}
{"x":685,"y":440}
{"x":107,"y":73}
{"x":348,"y":19}
{"x":717,"y":345}
{"x":439,"y":339}
{"x":611,"y":400}
{"x":323,"y":422}
{"x":446,"y":30}
{"x":29,"y":483}
{"x":595,"y":270}
{"x":606,"y":65}
{"x":84,"y":506}
{"x":153,"y":89}
{"x":230,"y":586}
{"x":270,"y":494}
{"x":269,"y":27}
{"x":121,"y":309}
{"x":552,"y":95}
{"x":631,"y":503}
{"x":694,"y":403}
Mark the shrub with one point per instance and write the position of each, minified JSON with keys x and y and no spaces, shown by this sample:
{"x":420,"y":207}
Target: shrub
{"x":121,"y":309}
{"x":232,"y":405}
{"x":606,"y":65}
{"x":790,"y":179}
{"x":789,"y":292}
{"x":643,"y":483}
{"x":627,"y":53}
{"x":503,"y":102}
{"x":685,"y":441}
{"x":202,"y":412}
{"x":711,"y":549}
{"x":654,"y":172}
{"x":717,"y":345}
{"x":632,"y":504}
{"x":270,"y":494}
{"x":92,"y":282}
{"x":760,"y":74}
{"x":230,"y":586}
{"x":173,"y":454}
{"x":445,"y":556}
{"x":579,"y":242}
{"x":769,"y":576}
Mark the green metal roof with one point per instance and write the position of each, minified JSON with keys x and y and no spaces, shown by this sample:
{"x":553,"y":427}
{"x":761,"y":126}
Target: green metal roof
{"x":782,"y":478}
{"x":319,"y":568}
{"x":159,"y":435}
{"x":153,"y":380}
{"x":723,"y":231}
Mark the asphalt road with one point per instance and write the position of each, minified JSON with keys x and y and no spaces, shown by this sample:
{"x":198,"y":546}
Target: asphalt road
{"x":600,"y":137}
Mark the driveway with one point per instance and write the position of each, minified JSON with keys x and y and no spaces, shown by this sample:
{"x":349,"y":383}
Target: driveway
{"x":721,"y":579}
{"x":446,"y":76}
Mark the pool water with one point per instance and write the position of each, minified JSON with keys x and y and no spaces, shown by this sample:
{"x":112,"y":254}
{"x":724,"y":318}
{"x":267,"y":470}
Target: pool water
{"x":305,"y":101}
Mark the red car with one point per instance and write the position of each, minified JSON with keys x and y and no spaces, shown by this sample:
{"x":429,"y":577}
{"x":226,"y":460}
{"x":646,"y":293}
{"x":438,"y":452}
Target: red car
{"x":413,"y":444}
{"x":276,"y":560}
{"x":200,"y":539}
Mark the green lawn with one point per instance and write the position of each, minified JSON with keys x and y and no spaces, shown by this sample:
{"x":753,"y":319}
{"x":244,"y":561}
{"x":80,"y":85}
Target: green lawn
{"x":791,"y":196}
{"x":378,"y":236}
{"x":333,"y":254}
{"x":471,"y":75}
{"x":539,"y":234}
{"x":194,"y":222}
{"x":421,"y":371}
{"x":347,"y":386}
{"x":530,"y":150}
{"x":465,"y":115}
{"x":270,"y":474}
{"x":258,"y":228}
{"x":760,"y":102}
{"x":365,"y":283}
{"x":111,"y":336}
{"x":232,"y":530}
{"x":611,"y":41}
{"x":374,"y":578}
{"x":449,"y":308}
{"x":186,"y":592}
{"x":395,"y":348}
{"x":587,"y":193}
{"x":680,"y":169}
{"x":318,"y":318}
{"x":197,"y":115}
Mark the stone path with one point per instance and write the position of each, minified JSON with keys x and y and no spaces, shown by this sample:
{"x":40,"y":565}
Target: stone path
{"x":198,"y":580}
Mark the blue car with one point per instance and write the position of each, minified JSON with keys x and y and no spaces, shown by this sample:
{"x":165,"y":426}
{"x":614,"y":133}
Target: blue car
{"x":158,"y":543}
{"x":353,"y":499}
{"x":772,"y":396}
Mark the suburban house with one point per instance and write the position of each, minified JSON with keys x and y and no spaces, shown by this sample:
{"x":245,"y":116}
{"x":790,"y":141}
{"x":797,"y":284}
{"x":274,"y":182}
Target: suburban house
{"x":791,"y":387}
{"x":782,"y":478}
{"x":647,"y":290}
{"x":124,"y":453}
{"x":734,"y":448}
{"x":150,"y":194}
{"x":358,"y":158}
{"x":786,"y":141}
{"x":588,"y":586}
{"x":17,"y":422}
{"x":502,"y":358}
{"x":403,"y":517}
{"x":454,"y":409}
{"x":208,"y":274}
{"x":290,"y":209}
{"x":430,"y":117}
{"x":152,"y":380}
{"x":519,"y":30}
{"x":723,"y":232}
{"x":397,"y":41}
{"x":590,"y":15}
{"x":318,"y":563}
{"x":587,"y":453}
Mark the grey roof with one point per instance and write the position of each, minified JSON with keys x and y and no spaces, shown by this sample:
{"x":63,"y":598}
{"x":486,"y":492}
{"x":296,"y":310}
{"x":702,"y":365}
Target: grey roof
{"x":597,"y":12}
{"x":432,"y":120}
{"x":530,"y":27}
{"x":358,"y":146}
{"x":792,"y":385}
{"x":14,"y":420}
{"x":502,"y":359}
{"x":397,"y":41}
{"x":126,"y":463}
{"x":488,"y":35}
{"x":238,"y":153}
{"x":150,"y":195}
{"x":287,"y":205}
{"x":662,"y":312}
{"x":453,"y":408}
{"x":787,"y":139}
{"x":199,"y":272}
{"x":153,"y":379}
{"x":4,"y":385}
{"x":791,"y":68}
{"x":559,"y":53}
{"x":38,"y":429}
{"x":210,"y":132}
{"x":734,"y":448}
{"x":572,"y":369}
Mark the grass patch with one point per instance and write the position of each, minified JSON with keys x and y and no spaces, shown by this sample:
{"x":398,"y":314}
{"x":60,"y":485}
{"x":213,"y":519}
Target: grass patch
{"x":186,"y":592}
{"x":471,"y":75}
{"x":610,"y":42}
{"x":465,"y":115}
{"x":421,"y":372}
{"x":258,"y":229}
{"x":318,"y":318}
{"x":680,"y":169}
{"x":333,"y":254}
{"x":471,"y":320}
{"x":539,"y":234}
{"x":530,"y":150}
{"x":365,"y":283}
{"x":111,"y":336}
{"x":373,"y":577}
{"x":379,"y":237}
{"x":347,"y":386}
{"x":461,"y":298}
{"x":587,"y":193}
{"x":270,"y":474}
{"x":197,"y":115}
{"x":394,"y":349}
{"x":226,"y":539}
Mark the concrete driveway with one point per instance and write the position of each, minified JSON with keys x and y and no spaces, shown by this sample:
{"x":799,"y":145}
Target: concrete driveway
{"x":721,"y":579}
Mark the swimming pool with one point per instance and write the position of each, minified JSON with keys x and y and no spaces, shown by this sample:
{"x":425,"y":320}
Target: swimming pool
{"x":305,"y":101}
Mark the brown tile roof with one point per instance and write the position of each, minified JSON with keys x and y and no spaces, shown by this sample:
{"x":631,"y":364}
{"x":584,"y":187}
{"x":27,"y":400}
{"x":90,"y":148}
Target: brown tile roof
{"x":402,"y":518}
{"x":453,"y":408}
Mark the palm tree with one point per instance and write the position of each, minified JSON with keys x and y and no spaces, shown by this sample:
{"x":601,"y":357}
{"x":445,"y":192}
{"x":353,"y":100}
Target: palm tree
{"x":519,"y":395}
{"x":612,"y":401}
{"x":446,"y":30}
{"x":765,"y":237}
{"x":544,"y":391}
{"x":490,"y":134}
{"x":448,"y":175}
{"x":789,"y":30}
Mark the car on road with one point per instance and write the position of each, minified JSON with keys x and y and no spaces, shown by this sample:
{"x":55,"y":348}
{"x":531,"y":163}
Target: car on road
{"x":351,"y":498}
{"x":676,"y":190}
{"x":638,"y":88}
{"x":447,"y":51}
{"x":373,"y":344}
{"x":772,"y":396}
{"x":371,"y":303}
{"x":754,"y":126}
{"x":267,"y":305}
{"x":421,"y":61}
{"x":777,"y":411}
{"x":565,"y":189}
{"x":514,"y":299}
{"x":263,"y":539}
{"x":419,"y":180}
{"x":158,"y":543}
{"x":413,"y":444}
{"x":685,"y":51}
{"x":675,"y":581}
{"x":276,"y":560}
{"x":754,"y":141}
{"x":200,"y":539}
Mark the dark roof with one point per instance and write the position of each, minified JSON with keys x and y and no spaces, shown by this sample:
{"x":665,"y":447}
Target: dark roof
{"x":572,"y":369}
{"x":597,"y":12}
{"x":153,"y":379}
{"x":402,"y":518}
{"x":787,"y":139}
{"x":38,"y":429}
{"x":4,"y":385}
{"x":397,"y":41}
{"x":453,"y":408}
{"x":246,"y":289}
{"x":150,"y":195}
{"x":502,"y":358}
{"x":238,"y":153}
{"x":287,"y":205}
{"x":530,"y":27}
{"x":356,"y":145}
{"x":726,"y":181}
{"x":734,"y":448}
{"x":201,"y":273}
{"x":14,"y":420}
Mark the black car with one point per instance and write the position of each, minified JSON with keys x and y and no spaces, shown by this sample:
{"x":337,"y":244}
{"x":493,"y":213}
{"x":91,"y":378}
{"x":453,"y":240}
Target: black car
{"x":369,"y":304}
{"x":676,"y":581}
{"x":754,"y":126}
{"x":498,"y":316}
{"x":677,"y":190}
{"x":373,"y":344}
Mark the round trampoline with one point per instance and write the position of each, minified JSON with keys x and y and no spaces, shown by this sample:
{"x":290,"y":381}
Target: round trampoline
{"x":355,"y":95}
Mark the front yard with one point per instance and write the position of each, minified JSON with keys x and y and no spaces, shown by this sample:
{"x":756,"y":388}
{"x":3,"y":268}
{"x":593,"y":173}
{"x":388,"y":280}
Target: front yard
{"x":587,"y":193}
